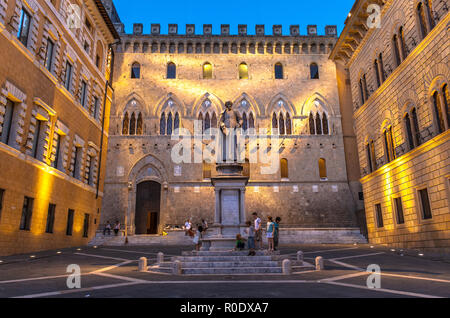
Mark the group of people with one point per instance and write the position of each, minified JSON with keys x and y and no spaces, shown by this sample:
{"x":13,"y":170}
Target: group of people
{"x":108,"y":228}
{"x":254,"y":235}
{"x":196,"y":234}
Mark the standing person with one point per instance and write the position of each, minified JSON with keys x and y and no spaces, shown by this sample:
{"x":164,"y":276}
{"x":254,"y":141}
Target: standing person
{"x":197,"y":237}
{"x":107,"y":228}
{"x":116,"y":228}
{"x":251,"y":238}
{"x":258,"y":230}
{"x":276,"y":233}
{"x":187,"y":226}
{"x":204,"y":226}
{"x":270,"y":232}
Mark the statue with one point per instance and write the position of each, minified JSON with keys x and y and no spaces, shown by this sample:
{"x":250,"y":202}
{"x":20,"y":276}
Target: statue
{"x":230,"y":120}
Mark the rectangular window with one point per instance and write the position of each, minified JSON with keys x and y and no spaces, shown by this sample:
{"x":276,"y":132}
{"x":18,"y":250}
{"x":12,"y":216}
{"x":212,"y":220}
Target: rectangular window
{"x":83,"y":93}
{"x":399,"y":211}
{"x":50,"y":218}
{"x":49,"y":55}
{"x":70,"y":216}
{"x":86,"y":225}
{"x":379,"y":216}
{"x":7,"y":122}
{"x":95,"y":108}
{"x":38,"y":138}
{"x":2,"y":195}
{"x":68,"y":77}
{"x":56,"y":164}
{"x":24,"y":27}
{"x":77,"y":163}
{"x":425,"y":204}
{"x":90,"y":173}
{"x":27,"y":212}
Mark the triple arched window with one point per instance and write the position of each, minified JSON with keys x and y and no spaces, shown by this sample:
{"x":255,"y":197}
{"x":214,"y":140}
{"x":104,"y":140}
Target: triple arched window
{"x":318,"y":124}
{"x":132,"y":124}
{"x":282,"y":124}
{"x":248,"y":121}
{"x":208,"y":120}
{"x":169,"y":123}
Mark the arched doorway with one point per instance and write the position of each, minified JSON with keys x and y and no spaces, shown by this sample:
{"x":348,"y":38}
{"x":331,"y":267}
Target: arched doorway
{"x":148,"y":204}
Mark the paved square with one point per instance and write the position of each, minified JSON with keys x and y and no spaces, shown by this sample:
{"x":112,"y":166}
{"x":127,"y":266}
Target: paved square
{"x":113,"y":272}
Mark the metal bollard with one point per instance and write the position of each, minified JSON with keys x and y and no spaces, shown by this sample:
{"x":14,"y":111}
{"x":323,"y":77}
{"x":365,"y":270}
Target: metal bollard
{"x":300,"y":257}
{"x":160,"y":258}
{"x":287,"y":267}
{"x":143,"y":264}
{"x":176,"y":268}
{"x":319,"y":263}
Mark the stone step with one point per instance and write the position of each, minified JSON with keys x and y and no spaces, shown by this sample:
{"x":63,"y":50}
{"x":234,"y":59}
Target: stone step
{"x":231,"y":270}
{"x":229,"y":264}
{"x":225,"y":258}
{"x":227,"y":253}
{"x":161,"y":269}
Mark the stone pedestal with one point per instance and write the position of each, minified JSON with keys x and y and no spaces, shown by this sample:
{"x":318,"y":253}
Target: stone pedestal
{"x":229,"y":217}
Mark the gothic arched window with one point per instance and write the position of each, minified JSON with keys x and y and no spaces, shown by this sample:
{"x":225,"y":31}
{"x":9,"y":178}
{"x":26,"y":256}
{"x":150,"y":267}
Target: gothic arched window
{"x":422,"y":20}
{"x":139,"y":125}
{"x":207,"y":123}
{"x":409,"y":134}
{"x":169,"y":124}
{"x":438,"y":113}
{"x":318,"y":124}
{"x":245,"y":122}
{"x":176,"y":122}
{"x":274,"y":122}
{"x":251,"y":121}
{"x":312,"y":124}
{"x":288,"y":125}
{"x":125,"y":124}
{"x":136,"y":70}
{"x":395,"y":43}
{"x":279,"y":71}
{"x":214,"y":121}
{"x":133,"y":125}
{"x":200,"y":119}
{"x":325,"y":124}
{"x":314,"y":70}
{"x":171,"y":71}
{"x":162,"y":125}
{"x":281,"y":125}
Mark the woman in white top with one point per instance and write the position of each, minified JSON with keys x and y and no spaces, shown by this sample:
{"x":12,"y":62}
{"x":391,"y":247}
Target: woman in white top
{"x":270,"y":232}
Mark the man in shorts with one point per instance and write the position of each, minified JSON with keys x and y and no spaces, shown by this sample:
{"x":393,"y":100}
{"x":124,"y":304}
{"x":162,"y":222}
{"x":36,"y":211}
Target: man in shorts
{"x":258,"y":231}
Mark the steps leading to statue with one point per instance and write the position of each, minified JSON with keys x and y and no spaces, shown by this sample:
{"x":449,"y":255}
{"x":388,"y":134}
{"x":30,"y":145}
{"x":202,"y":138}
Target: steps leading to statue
{"x":229,"y":263}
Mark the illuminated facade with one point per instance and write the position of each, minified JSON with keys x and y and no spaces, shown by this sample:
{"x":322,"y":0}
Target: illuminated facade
{"x":53,"y":100}
{"x":399,"y":75}
{"x":276,"y":82}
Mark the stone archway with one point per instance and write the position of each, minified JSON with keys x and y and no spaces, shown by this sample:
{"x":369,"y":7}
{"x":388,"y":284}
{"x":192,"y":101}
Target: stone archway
{"x":148,"y":207}
{"x":150,"y":177}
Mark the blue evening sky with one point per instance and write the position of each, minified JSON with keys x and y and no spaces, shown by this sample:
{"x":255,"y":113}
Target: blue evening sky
{"x":233,"y":12}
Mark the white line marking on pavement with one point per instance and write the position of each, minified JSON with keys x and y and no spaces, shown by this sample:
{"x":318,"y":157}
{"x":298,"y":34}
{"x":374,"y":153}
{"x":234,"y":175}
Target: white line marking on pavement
{"x":106,"y":257}
{"x":71,"y":291}
{"x":35,"y":278}
{"x":346,"y":265}
{"x":333,"y":250}
{"x":355,"y":256}
{"x":111,"y":267}
{"x":391,"y":291}
{"x":130,"y":279}
{"x":332,"y":279}
{"x":416,"y":277}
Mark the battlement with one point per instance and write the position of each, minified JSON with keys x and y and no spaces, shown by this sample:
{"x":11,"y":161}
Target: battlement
{"x":260,"y":30}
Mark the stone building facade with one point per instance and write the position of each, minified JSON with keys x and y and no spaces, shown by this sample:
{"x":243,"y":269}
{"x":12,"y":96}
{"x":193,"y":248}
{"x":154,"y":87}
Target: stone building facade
{"x":285,"y":84}
{"x":55,"y":61}
{"x":399,"y":75}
